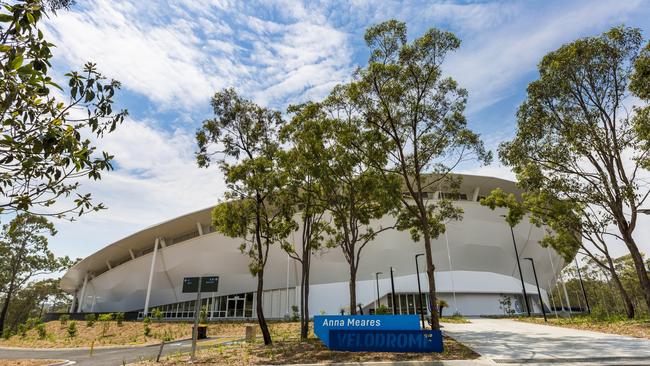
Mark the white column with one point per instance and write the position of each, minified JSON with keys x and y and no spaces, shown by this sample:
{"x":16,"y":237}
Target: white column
{"x":451,"y":272}
{"x":108,"y":264}
{"x":74,"y":300}
{"x":200,"y":228}
{"x":83,"y":293}
{"x":475,"y":194}
{"x":153,"y":265}
{"x":132,"y":254}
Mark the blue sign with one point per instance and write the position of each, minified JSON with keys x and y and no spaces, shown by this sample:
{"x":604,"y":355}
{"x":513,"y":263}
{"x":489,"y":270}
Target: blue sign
{"x":386,"y":340}
{"x":323,"y":324}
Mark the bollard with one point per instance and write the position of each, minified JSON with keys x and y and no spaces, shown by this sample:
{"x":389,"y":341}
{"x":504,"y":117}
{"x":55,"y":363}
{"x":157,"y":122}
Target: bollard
{"x":250,"y":333}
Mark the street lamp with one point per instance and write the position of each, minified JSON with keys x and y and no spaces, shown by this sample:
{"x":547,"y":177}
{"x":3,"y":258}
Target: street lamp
{"x":521,"y":276}
{"x":417,"y":273}
{"x":539,"y":293}
{"x":392,"y":288}
{"x":377,"y":281}
{"x":582,"y":285}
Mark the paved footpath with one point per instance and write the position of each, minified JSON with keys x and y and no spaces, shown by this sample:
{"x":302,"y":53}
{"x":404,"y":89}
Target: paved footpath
{"x":511,"y":342}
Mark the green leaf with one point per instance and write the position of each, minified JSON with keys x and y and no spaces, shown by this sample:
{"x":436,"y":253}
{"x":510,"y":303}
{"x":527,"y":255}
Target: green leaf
{"x":4,"y":48}
{"x":16,"y":62}
{"x":6,"y":18}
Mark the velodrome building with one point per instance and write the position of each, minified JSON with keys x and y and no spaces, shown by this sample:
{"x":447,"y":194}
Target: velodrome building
{"x":476,"y":268}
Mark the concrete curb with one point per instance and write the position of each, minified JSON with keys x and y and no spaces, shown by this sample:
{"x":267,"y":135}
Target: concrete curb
{"x":125,"y":346}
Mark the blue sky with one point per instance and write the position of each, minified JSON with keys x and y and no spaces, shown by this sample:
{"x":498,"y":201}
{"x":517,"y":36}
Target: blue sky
{"x":171,"y":56}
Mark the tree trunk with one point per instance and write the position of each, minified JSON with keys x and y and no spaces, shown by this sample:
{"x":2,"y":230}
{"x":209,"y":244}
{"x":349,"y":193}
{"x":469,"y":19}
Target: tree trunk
{"x":304,"y":301}
{"x":639,"y":265}
{"x":260,"y":313}
{"x":435,"y":318}
{"x":629,"y":307}
{"x":5,"y":305}
{"x":353,"y":290}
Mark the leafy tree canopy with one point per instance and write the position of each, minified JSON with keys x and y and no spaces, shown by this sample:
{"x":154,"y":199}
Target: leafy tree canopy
{"x":43,"y":148}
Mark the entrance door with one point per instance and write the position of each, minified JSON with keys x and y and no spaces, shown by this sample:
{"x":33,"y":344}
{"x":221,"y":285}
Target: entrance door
{"x":236,"y":306}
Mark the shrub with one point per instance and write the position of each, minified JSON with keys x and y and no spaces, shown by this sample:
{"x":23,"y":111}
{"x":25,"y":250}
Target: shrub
{"x":90,"y":319}
{"x":157,"y":314}
{"x":72,"y":329}
{"x":42,"y":332}
{"x":119,"y":318}
{"x":382,"y":310}
{"x":64,"y":319}
{"x":105,"y":320}
{"x":6,"y":334}
{"x":32,"y":322}
{"x":22,"y":330}
{"x":147,"y":329}
{"x":203,"y":315}
{"x":294,"y":313}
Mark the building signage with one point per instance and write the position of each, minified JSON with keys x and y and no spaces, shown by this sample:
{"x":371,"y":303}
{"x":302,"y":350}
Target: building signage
{"x":208,"y":284}
{"x":385,"y":340}
{"x":324,"y":324}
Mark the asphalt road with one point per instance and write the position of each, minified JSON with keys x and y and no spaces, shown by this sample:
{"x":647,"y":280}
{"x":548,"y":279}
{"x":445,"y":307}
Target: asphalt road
{"x":100,"y":357}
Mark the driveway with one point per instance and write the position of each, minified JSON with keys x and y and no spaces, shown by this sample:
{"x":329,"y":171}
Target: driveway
{"x":512,"y":342}
{"x":100,"y":357}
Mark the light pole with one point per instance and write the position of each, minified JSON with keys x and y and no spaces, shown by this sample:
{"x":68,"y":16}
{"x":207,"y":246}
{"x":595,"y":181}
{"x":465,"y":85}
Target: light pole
{"x":521,"y":276}
{"x":539,"y":293}
{"x":392,"y":288}
{"x":417,"y":273}
{"x":377,"y":281}
{"x":582,"y":285}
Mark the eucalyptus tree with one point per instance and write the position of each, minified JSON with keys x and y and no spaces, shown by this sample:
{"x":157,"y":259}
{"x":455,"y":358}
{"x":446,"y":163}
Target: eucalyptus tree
{"x":45,"y":150}
{"x":25,"y":255}
{"x":405,"y":99}
{"x":242,"y":136}
{"x":570,"y":228}
{"x":305,"y":163}
{"x":576,"y":138}
{"x":356,"y":193}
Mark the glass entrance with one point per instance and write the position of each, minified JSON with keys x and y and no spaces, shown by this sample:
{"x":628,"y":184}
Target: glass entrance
{"x":236,"y":306}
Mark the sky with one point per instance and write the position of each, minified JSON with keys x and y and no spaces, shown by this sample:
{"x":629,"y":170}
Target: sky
{"x":172,"y":56}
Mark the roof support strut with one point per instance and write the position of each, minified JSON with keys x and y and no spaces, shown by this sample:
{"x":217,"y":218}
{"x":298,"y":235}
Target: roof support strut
{"x":153,"y":265}
{"x":83,"y":293}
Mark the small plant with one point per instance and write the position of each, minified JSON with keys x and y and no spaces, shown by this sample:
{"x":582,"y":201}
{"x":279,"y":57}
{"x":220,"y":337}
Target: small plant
{"x":382,"y":310}
{"x":72,"y":329}
{"x":157,"y":314}
{"x":32,"y":322}
{"x":167,"y":336}
{"x":203,"y":315}
{"x":147,"y":329}
{"x":294,"y":313}
{"x":90,"y":319}
{"x":105,"y":320}
{"x":119,"y":318}
{"x":64,"y":319}
{"x":42,"y":332}
{"x":6,"y":334}
{"x":441,"y":305}
{"x":22,"y":330}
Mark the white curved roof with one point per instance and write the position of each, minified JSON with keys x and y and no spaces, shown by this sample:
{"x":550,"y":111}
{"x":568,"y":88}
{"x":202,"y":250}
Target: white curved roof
{"x":184,"y":227}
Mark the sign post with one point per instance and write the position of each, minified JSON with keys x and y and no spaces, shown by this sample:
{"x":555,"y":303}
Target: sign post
{"x":198,"y":284}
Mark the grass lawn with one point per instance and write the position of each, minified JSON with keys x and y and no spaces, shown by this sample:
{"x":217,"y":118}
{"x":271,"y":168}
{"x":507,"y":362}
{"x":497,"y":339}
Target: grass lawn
{"x":130,"y":333}
{"x":639,"y":328}
{"x":287,"y":349}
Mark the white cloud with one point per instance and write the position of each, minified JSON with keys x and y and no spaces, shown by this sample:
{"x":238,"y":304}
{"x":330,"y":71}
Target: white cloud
{"x":156,"y":179}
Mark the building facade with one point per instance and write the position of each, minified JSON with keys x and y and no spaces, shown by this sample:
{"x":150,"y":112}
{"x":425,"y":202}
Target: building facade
{"x":476,"y":268}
